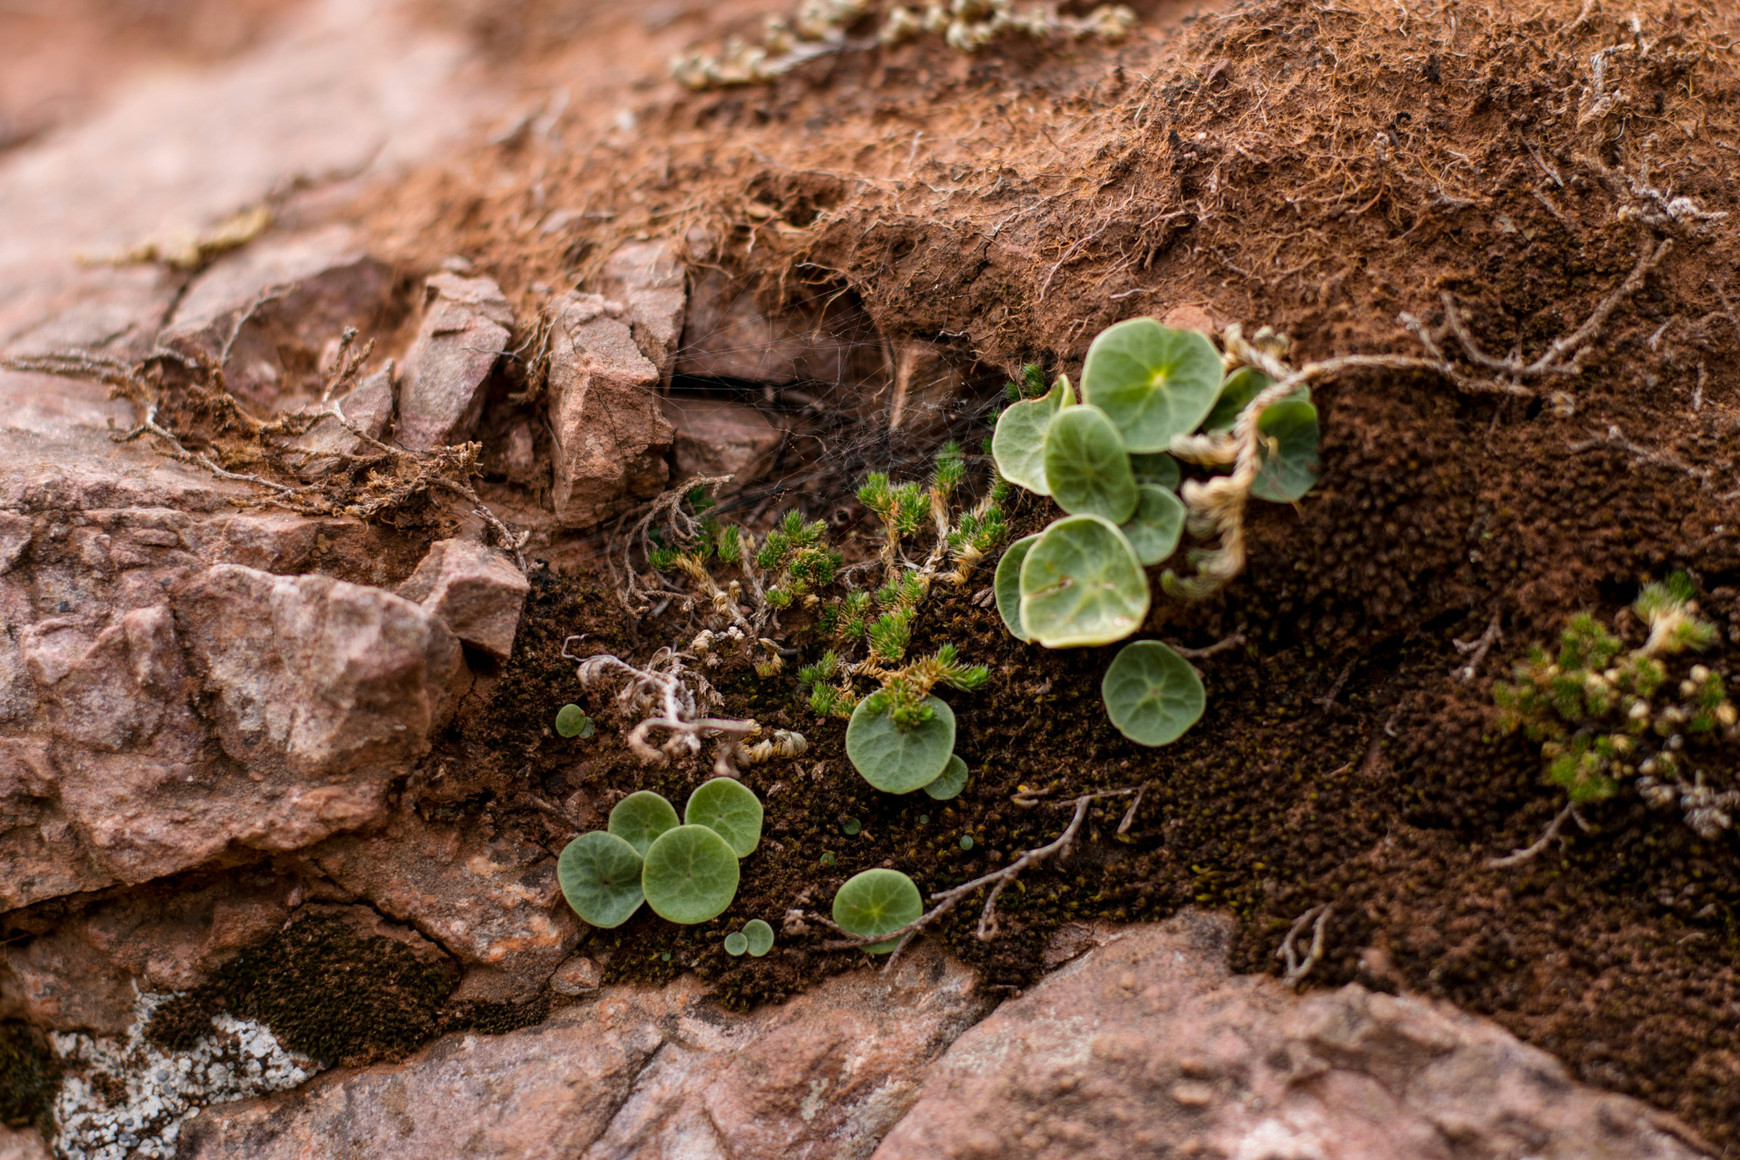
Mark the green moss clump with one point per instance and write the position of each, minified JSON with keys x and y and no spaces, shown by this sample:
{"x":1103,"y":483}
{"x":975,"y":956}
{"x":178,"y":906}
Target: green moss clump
{"x":325,"y":990}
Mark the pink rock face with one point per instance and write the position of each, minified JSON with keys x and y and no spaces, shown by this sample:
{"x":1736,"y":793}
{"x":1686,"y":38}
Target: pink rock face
{"x":476,"y":591}
{"x":649,"y":279}
{"x":1148,"y":1046}
{"x":464,"y":330}
{"x":493,"y":903}
{"x":21,"y":1144}
{"x":632,"y":1072}
{"x":312,"y":675}
{"x":610,"y":438}
{"x":714,"y":437}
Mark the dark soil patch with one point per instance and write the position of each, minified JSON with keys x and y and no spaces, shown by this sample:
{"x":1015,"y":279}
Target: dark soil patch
{"x":28,"y":1075}
{"x":325,"y":990}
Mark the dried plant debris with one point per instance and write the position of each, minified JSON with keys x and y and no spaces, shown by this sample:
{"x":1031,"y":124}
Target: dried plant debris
{"x":823,"y":27}
{"x":185,"y":408}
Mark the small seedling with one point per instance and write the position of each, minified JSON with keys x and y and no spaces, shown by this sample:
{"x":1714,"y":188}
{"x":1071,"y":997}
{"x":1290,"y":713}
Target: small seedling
{"x":686,"y":873}
{"x":690,"y":876}
{"x":736,"y":943}
{"x":949,"y":784}
{"x":600,"y":876}
{"x":640,"y":817}
{"x":852,"y":827}
{"x":1151,"y":693}
{"x":728,"y":808}
{"x":966,"y":841}
{"x":898,"y":758}
{"x":758,"y":936}
{"x":572,"y":721}
{"x":877,"y":902}
{"x":1149,"y":396}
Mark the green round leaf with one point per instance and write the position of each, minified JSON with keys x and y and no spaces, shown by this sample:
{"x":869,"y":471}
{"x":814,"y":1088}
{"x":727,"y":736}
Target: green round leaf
{"x":1240,"y":388}
{"x":1018,"y":444}
{"x":897,"y":760}
{"x":1159,"y":520}
{"x":690,"y":875}
{"x":759,"y":937}
{"x":600,"y":877}
{"x":877,"y":902}
{"x":572,"y":721}
{"x":1159,"y":469}
{"x":1151,"y":693}
{"x":952,"y":781}
{"x":852,"y":827}
{"x":1289,"y":434}
{"x":1087,"y":466}
{"x":966,"y":842}
{"x":1007,"y":586}
{"x":736,"y":943}
{"x":1154,"y":383}
{"x":1082,"y":584}
{"x":640,"y":817}
{"x":730,"y":809}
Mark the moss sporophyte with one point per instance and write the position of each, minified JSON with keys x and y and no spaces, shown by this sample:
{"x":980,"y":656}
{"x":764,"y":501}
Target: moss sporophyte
{"x":1150,"y":396}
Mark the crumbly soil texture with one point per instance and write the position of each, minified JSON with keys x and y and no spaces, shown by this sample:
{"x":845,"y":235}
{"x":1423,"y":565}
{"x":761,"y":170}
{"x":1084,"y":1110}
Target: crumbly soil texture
{"x":1330,"y":171}
{"x":1355,"y":176}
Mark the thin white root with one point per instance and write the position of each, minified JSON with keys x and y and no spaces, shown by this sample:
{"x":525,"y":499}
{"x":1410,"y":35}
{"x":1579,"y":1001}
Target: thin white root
{"x":1518,"y":857}
{"x":666,"y":695}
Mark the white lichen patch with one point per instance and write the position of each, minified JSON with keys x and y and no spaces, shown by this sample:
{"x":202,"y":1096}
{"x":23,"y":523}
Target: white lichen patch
{"x":126,"y":1098}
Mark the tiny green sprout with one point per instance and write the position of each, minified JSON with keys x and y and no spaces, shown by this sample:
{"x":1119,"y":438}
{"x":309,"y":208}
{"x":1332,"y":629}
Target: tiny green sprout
{"x":877,"y":902}
{"x":1289,"y":435}
{"x":1155,"y":527}
{"x":1082,"y":584}
{"x":1152,"y":382}
{"x":1087,"y":466}
{"x":851,"y":827}
{"x":572,"y":721}
{"x":966,"y":841}
{"x":949,"y":783}
{"x":1018,"y":446}
{"x":736,"y":943}
{"x":730,"y":809}
{"x":758,"y":937}
{"x":827,"y":858}
{"x":1007,"y":586}
{"x":600,"y":876}
{"x":641,"y":817}
{"x":896,"y":759}
{"x":1151,"y":693}
{"x":690,"y":875}
{"x":924,"y":819}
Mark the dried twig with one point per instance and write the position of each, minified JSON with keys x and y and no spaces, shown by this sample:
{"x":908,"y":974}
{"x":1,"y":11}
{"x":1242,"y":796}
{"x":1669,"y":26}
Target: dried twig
{"x":1219,"y":646}
{"x":667,"y":695}
{"x":1518,"y":857}
{"x":1297,"y":968}
{"x":1479,"y":648}
{"x":997,"y":880}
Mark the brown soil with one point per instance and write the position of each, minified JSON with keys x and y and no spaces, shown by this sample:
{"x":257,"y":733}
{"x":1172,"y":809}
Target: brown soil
{"x":1319,"y":169}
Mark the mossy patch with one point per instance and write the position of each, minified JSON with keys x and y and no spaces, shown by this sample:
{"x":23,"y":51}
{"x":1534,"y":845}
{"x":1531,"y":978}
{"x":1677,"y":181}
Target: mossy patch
{"x":325,"y":990}
{"x":27,"y":1075}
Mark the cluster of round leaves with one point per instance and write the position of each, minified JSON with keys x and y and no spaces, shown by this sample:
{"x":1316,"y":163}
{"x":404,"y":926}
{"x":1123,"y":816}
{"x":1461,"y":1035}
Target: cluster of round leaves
{"x":902,"y":757}
{"x":686,"y":871}
{"x":572,"y":721}
{"x":1082,"y":581}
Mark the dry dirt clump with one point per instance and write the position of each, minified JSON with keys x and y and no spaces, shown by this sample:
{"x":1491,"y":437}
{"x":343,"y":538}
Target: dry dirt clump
{"x":1532,"y":201}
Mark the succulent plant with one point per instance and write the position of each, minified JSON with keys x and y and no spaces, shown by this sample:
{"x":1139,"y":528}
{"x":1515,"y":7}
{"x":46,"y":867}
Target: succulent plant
{"x":950,"y":782}
{"x":690,"y":875}
{"x":900,"y":758}
{"x":1109,"y":462}
{"x":572,"y":721}
{"x":728,"y":808}
{"x":758,"y":936}
{"x":877,"y":902}
{"x":600,"y":876}
{"x":736,"y":943}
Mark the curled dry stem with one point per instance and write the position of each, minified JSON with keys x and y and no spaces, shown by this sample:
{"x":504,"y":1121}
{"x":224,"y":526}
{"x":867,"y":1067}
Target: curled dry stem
{"x":1297,"y":968}
{"x":1518,"y":857}
{"x":667,"y":695}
